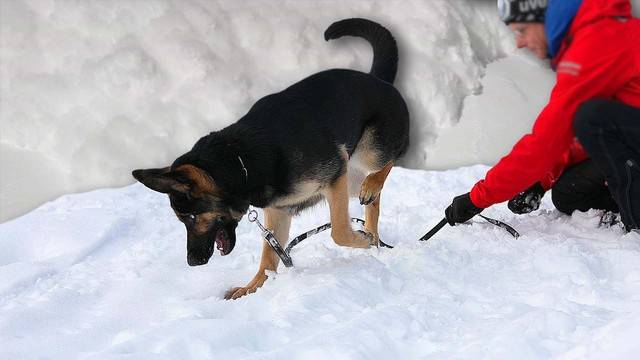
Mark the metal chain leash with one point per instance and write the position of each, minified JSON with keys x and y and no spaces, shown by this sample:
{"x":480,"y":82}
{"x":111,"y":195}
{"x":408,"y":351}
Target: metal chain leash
{"x":285,"y":254}
{"x":270,"y":238}
{"x":495,"y":222}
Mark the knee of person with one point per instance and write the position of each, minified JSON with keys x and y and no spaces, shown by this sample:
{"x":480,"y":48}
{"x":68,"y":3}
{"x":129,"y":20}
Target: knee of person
{"x":562,"y":202}
{"x":588,"y":117}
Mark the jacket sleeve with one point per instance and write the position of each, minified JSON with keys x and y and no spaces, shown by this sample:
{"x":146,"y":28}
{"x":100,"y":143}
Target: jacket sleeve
{"x":594,"y":66}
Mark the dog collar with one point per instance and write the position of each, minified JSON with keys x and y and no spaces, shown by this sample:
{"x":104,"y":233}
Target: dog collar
{"x":246,"y":173}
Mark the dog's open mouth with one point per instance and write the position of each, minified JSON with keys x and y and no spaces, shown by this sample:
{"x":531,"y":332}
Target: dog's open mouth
{"x":222,"y":242}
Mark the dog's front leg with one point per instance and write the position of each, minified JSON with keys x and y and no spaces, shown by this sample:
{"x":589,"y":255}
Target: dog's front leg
{"x":338,"y":197}
{"x":279,"y":222}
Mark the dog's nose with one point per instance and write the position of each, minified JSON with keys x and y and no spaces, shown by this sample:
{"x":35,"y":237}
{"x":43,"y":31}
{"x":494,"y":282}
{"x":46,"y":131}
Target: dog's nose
{"x":195,"y":260}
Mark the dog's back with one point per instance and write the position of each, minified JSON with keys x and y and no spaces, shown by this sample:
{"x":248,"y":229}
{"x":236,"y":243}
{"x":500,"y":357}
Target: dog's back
{"x":338,"y":107}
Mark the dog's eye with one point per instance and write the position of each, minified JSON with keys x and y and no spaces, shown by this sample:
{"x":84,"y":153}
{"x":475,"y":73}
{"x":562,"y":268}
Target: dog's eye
{"x":189,"y":220}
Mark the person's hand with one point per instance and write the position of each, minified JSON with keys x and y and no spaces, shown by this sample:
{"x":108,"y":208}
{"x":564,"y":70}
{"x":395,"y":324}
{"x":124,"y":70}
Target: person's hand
{"x":461,"y":210}
{"x":527,"y":201}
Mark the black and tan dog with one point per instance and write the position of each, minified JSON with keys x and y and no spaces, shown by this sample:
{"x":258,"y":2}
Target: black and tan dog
{"x":291,"y":150}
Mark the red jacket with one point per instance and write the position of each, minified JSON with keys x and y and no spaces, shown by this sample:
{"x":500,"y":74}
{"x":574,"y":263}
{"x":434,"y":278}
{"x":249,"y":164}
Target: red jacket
{"x":574,"y":155}
{"x":600,"y":58}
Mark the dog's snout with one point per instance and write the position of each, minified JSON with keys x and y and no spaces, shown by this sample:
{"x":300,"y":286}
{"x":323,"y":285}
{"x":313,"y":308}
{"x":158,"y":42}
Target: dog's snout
{"x":195,"y":260}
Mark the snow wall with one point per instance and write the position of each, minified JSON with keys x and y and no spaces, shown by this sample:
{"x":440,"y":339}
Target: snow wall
{"x":91,"y":90}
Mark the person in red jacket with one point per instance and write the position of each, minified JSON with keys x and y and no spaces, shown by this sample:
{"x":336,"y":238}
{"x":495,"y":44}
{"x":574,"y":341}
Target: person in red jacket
{"x":596,"y":99}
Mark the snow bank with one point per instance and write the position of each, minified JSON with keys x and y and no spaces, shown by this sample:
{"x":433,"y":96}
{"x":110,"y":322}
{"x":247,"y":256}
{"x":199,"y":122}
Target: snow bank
{"x":103,"y":275}
{"x":515,"y":89}
{"x":91,"y":90}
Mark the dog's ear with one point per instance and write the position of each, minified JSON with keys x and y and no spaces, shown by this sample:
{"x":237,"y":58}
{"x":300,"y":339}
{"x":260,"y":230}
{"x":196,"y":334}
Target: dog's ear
{"x":162,"y":180}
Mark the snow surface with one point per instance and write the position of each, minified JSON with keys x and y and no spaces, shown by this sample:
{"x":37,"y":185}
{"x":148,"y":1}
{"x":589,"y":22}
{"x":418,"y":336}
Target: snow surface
{"x":103,"y":275}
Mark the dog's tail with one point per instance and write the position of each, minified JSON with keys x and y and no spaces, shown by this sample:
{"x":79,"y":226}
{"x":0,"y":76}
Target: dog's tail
{"x":385,"y":50}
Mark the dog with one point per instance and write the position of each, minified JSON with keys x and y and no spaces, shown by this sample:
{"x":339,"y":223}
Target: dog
{"x":290,"y":151}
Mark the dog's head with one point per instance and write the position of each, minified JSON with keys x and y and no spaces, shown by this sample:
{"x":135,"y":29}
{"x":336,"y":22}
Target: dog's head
{"x":209,"y":213}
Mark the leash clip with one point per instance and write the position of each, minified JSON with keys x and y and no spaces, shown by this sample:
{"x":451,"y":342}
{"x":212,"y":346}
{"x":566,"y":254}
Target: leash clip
{"x":270,"y":238}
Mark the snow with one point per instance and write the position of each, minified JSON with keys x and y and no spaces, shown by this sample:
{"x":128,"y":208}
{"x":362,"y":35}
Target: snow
{"x":514,"y":90}
{"x":103,"y":275}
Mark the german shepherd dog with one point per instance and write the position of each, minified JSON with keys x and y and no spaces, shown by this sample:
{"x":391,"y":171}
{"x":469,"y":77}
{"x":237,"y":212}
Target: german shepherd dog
{"x":291,"y":150}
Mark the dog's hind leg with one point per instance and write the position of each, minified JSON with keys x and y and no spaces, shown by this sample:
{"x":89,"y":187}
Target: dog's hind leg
{"x":370,"y":193}
{"x":373,"y":183}
{"x":279,"y":221}
{"x":338,"y":197}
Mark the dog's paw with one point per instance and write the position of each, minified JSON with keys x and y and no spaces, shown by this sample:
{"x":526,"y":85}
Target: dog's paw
{"x":252,"y":286}
{"x":350,"y":238}
{"x":363,"y":239}
{"x":374,"y":239}
{"x":238,"y":292}
{"x":367,"y":196}
{"x":370,"y":189}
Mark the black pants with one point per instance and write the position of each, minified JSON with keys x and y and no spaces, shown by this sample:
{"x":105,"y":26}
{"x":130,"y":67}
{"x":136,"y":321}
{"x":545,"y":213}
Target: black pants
{"x":610,"y":133}
{"x":582,"y":187}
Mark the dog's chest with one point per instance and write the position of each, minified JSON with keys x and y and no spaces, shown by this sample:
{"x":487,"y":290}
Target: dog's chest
{"x":303,"y":194}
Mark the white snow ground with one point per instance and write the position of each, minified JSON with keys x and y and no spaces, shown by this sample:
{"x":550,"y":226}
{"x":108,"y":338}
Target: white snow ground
{"x":103,"y":275}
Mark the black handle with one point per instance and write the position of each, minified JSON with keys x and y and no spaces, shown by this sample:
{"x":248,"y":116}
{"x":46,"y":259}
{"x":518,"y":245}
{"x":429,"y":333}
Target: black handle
{"x":435,"y":229}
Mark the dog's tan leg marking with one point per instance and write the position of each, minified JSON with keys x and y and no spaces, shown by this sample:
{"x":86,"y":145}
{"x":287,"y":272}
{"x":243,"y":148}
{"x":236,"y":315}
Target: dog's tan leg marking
{"x":341,"y":232}
{"x":279,"y":222}
{"x":370,"y":193}
{"x":371,"y":214}
{"x":372,"y":184}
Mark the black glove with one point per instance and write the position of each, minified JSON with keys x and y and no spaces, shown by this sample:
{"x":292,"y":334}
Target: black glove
{"x":527,"y":201}
{"x":461,"y":210}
